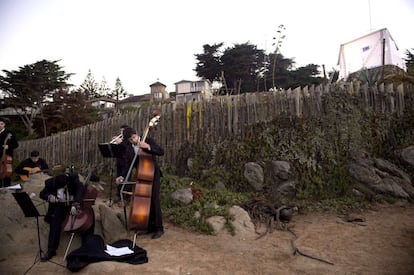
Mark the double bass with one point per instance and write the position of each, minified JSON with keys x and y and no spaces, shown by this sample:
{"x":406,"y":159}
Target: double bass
{"x":142,"y":189}
{"x":6,"y":169}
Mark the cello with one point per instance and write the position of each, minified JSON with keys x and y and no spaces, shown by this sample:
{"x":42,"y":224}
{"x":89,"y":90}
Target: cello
{"x":6,"y":169}
{"x":84,"y":219}
{"x":142,"y":190}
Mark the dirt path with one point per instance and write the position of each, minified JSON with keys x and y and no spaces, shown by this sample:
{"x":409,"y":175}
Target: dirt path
{"x":383,"y":244}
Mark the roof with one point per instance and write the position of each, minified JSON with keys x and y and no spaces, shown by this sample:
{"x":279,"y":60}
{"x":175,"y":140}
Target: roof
{"x":136,"y":98}
{"x":157,"y":84}
{"x":106,"y":99}
{"x":183,"y":81}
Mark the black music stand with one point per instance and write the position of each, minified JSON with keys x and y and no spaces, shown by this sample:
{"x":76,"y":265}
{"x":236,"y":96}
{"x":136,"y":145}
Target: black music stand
{"x":29,"y":210}
{"x":111,"y":150}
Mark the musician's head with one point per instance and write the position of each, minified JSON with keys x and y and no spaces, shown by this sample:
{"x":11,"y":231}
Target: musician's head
{"x":70,"y":180}
{"x":155,"y":112}
{"x":2,"y":123}
{"x":123,"y":127}
{"x":131,"y":135}
{"x":34,"y":155}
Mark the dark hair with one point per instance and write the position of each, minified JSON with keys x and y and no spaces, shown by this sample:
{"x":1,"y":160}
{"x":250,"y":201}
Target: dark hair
{"x":128,"y":132}
{"x":34,"y":153}
{"x":124,"y":126}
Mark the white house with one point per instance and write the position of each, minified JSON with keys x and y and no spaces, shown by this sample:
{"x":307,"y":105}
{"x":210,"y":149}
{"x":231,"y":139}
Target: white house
{"x":187,"y":90}
{"x":375,"y":49}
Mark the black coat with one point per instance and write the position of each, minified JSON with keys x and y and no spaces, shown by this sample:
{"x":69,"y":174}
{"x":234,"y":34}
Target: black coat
{"x":71,"y":180}
{"x":12,"y":142}
{"x":129,"y":155}
{"x":28,"y":163}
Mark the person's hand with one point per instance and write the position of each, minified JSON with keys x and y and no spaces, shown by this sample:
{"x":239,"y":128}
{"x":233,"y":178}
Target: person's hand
{"x":52,"y":199}
{"x":144,"y":145}
{"x":74,"y":210}
{"x":119,"y":180}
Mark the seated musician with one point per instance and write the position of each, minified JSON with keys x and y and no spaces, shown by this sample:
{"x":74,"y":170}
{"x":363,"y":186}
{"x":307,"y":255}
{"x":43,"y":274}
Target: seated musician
{"x":32,"y":165}
{"x":64,"y":194}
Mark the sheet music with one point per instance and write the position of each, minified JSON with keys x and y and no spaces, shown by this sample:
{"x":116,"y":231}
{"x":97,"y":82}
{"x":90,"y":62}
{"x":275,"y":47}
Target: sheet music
{"x":13,"y":187}
{"x":115,"y":251}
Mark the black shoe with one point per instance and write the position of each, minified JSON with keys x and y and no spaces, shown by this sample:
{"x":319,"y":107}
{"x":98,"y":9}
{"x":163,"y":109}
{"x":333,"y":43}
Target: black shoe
{"x":157,"y":234}
{"x":145,"y":232}
{"x":49,"y":254}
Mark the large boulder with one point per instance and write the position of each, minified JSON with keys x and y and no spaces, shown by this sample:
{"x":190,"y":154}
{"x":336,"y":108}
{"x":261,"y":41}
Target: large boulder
{"x":379,"y":176}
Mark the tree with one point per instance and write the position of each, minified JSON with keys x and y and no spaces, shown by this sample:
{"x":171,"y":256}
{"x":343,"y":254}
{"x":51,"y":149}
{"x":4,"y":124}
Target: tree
{"x":209,"y":62}
{"x":278,"y":44}
{"x":30,"y":88}
{"x":89,"y":86}
{"x":68,"y":110}
{"x":103,"y":89}
{"x":242,"y":64}
{"x":303,"y":76}
{"x":118,"y":93}
{"x":281,"y":73}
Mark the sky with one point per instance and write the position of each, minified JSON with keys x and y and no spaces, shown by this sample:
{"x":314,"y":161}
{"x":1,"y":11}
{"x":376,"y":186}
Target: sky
{"x":143,"y":42}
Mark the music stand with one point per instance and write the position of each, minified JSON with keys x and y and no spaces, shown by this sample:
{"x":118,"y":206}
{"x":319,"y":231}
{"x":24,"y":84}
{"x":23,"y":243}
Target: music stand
{"x":111,"y":150}
{"x":29,"y":210}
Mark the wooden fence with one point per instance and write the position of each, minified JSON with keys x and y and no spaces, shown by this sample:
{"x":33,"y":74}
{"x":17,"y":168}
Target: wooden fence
{"x":207,"y":122}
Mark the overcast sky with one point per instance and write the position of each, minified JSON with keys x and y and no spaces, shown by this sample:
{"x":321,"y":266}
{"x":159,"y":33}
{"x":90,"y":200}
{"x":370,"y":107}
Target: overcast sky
{"x":142,"y":42}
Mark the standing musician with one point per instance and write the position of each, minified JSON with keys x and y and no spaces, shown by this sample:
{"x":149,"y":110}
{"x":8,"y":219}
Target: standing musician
{"x":155,"y":225}
{"x":32,"y":165}
{"x":64,"y":194}
{"x":8,"y":142}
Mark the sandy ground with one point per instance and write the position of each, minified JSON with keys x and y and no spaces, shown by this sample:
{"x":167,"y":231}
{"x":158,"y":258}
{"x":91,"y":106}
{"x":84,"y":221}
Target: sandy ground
{"x":383,"y":244}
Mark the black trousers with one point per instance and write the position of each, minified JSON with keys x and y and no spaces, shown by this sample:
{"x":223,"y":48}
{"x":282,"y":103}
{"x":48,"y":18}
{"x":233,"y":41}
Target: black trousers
{"x":155,"y":217}
{"x":5,"y":182}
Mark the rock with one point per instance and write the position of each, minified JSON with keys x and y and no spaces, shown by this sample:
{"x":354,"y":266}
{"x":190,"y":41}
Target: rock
{"x":407,"y":155}
{"x":112,"y":227}
{"x":242,"y":223}
{"x":217,"y":223}
{"x":253,"y":172}
{"x":379,"y":176}
{"x":184,"y":196}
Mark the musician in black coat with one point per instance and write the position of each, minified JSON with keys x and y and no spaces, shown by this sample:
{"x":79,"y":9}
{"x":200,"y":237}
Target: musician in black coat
{"x":8,"y":142}
{"x":31,"y":165}
{"x":65,"y":195}
{"x":149,"y":146}
{"x":120,"y":161}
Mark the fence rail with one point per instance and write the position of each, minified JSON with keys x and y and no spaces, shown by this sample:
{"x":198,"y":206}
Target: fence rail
{"x":208,"y":122}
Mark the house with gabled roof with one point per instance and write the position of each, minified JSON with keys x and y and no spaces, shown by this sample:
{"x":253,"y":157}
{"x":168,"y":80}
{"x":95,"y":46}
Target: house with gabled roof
{"x":187,"y":90}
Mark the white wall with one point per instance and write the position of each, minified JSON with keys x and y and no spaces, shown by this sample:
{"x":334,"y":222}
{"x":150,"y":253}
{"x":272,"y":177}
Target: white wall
{"x":366,"y":52}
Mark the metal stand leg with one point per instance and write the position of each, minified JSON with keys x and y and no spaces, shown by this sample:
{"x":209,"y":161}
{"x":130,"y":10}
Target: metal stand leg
{"x":38,"y":237}
{"x":135,"y":238}
{"x":67,"y":248}
{"x":110,"y":187}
